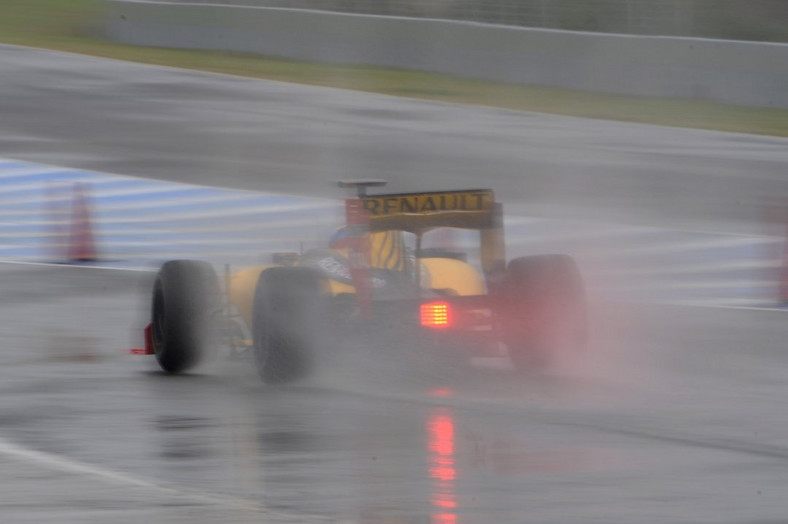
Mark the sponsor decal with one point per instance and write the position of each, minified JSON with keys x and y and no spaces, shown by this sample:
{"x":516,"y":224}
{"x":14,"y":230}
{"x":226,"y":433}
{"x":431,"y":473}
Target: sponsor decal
{"x":340,"y":270}
{"x":423,"y":203}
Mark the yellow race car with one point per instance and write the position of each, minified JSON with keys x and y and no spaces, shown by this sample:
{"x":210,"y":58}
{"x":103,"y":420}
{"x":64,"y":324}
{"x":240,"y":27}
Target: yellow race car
{"x":376,"y":276}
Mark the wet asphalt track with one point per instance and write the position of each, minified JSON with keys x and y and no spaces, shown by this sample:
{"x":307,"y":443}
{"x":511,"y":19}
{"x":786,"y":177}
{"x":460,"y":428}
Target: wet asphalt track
{"x":676,"y":415}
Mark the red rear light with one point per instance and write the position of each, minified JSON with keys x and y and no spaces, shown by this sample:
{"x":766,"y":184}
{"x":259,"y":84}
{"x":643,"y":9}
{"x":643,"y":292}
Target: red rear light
{"x":436,"y":315}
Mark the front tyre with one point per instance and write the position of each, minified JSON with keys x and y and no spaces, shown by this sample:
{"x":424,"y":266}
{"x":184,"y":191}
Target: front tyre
{"x":545,"y":310}
{"x":186,"y":302}
{"x":288,"y":303}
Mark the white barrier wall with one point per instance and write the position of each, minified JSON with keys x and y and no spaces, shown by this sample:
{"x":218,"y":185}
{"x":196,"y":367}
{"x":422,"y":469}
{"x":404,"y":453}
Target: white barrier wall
{"x":727,"y":71}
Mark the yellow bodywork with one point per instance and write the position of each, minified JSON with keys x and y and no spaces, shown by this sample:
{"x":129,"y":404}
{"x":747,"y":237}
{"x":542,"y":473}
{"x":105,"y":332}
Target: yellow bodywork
{"x":450,"y":276}
{"x":244,"y":282}
{"x":242,"y":287}
{"x":391,"y":215}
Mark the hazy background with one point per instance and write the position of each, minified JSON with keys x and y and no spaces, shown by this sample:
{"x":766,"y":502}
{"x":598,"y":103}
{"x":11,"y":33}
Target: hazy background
{"x":674,"y":414}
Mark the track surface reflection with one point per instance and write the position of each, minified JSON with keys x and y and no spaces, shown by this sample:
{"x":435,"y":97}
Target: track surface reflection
{"x":685,"y":416}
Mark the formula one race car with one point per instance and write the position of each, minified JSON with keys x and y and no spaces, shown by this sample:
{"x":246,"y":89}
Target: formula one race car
{"x":376,"y":276}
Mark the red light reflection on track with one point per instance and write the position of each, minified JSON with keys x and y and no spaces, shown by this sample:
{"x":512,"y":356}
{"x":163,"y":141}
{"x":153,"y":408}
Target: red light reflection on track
{"x":441,"y":392}
{"x":442,"y":470}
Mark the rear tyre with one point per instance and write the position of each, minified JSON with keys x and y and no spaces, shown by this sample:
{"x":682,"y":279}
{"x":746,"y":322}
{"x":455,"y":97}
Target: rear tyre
{"x":288,"y":303}
{"x":186,"y":302}
{"x":545,"y":311}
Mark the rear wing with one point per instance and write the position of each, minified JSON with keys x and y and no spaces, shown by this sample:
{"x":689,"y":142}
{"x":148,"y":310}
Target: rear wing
{"x":419,"y":212}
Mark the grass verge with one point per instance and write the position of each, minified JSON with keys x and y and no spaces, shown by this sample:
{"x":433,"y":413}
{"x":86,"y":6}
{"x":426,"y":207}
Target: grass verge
{"x":71,"y":25}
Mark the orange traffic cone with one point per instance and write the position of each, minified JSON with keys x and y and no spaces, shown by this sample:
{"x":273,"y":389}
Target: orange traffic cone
{"x":81,"y":245}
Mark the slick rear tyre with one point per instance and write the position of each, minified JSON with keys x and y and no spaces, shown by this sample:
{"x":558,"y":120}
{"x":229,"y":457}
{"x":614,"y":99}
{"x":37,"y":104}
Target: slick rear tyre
{"x":186,"y":302}
{"x":288,"y":302}
{"x":545,"y":311}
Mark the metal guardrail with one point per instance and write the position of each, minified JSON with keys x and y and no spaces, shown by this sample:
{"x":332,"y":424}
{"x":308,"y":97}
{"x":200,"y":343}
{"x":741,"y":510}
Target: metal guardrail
{"x":745,"y":73}
{"x":758,"y":20}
